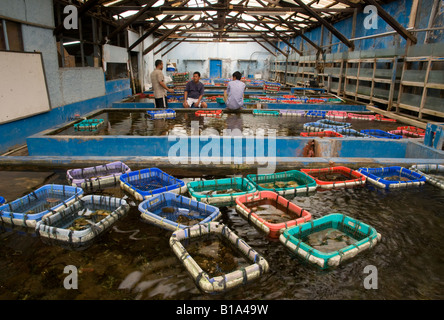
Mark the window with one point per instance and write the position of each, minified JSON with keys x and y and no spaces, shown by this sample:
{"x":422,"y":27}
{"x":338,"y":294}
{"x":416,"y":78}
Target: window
{"x":10,"y":36}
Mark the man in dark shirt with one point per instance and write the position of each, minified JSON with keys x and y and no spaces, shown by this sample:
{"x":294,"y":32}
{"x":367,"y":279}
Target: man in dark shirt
{"x":194,"y":92}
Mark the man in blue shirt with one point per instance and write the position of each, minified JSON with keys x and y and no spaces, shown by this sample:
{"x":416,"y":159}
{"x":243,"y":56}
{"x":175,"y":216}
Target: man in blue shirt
{"x":234,"y":95}
{"x":194,"y":92}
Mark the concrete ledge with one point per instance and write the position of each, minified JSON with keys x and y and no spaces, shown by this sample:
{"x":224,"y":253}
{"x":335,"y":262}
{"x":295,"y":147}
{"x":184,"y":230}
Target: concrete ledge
{"x":39,"y":163}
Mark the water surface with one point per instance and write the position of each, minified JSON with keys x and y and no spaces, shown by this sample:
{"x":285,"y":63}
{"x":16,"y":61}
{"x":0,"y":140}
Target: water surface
{"x":409,"y":259}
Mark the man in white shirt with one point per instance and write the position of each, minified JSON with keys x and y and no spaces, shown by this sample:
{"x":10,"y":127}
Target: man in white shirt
{"x":234,"y":95}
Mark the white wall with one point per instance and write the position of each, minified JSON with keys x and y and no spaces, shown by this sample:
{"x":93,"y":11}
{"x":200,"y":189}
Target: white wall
{"x":229,"y":53}
{"x":65,"y":85}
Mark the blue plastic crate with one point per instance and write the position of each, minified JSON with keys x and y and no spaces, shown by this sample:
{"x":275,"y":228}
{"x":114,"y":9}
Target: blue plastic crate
{"x":161,"y":114}
{"x":376,"y":133}
{"x":377,"y":177}
{"x":316,"y":113}
{"x":347,"y":132}
{"x":172,"y":211}
{"x":28,"y":210}
{"x":328,"y":123}
{"x":143,"y":184}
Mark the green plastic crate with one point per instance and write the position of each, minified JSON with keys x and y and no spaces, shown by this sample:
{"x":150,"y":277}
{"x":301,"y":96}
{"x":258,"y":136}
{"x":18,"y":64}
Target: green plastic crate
{"x":293,"y":239}
{"x":305,"y":183}
{"x":206,"y":190}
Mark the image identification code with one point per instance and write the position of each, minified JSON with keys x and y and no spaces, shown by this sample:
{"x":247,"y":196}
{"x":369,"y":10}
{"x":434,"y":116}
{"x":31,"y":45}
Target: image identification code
{"x":223,"y":310}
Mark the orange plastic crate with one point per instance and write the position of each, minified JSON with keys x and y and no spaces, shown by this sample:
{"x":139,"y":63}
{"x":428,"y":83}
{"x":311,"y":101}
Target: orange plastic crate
{"x":322,"y":134}
{"x":208,"y":113}
{"x":273,"y":230}
{"x":355,"y":177}
{"x":379,"y":117}
{"x":413,"y":129}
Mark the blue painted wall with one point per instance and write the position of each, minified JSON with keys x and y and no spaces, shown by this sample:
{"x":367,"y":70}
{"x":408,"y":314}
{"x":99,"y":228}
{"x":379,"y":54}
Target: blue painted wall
{"x":400,"y":10}
{"x":44,"y":145}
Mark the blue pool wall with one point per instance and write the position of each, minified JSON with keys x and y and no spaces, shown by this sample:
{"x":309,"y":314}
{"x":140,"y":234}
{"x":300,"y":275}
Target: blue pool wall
{"x":282,"y":147}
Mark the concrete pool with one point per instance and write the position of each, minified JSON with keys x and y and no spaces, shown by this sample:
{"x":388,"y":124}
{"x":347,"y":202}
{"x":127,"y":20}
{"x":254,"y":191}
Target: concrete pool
{"x":197,"y":150}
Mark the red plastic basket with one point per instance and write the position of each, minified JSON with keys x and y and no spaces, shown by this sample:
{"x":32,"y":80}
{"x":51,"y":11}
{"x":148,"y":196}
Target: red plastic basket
{"x":413,"y":129}
{"x":356,"y":178}
{"x":361,"y":116}
{"x":273,"y":230}
{"x":333,"y":114}
{"x":322,"y":134}
{"x":208,"y":113}
{"x":379,"y":117}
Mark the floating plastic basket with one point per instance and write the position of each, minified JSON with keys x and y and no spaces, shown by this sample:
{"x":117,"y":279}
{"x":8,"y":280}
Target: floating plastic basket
{"x":379,"y":117}
{"x":324,"y":177}
{"x":98,"y":177}
{"x":352,"y":133}
{"x":292,"y":113}
{"x":161,"y":114}
{"x":172,"y":211}
{"x":83,"y":222}
{"x":265,"y":112}
{"x":46,"y":200}
{"x":327,"y":123}
{"x":324,"y":124}
{"x":299,"y":239}
{"x":336,"y":115}
{"x":316,"y":113}
{"x":322,"y":134}
{"x":413,"y":129}
{"x":88,"y":124}
{"x":358,"y":116}
{"x":288,"y":183}
{"x":376,"y":133}
{"x":220,"y":192}
{"x":406,"y":134}
{"x":208,"y":113}
{"x":288,"y":214}
{"x":392,"y":177}
{"x":208,"y":284}
{"x":434,"y":173}
{"x":143,"y":184}
{"x":313,"y":127}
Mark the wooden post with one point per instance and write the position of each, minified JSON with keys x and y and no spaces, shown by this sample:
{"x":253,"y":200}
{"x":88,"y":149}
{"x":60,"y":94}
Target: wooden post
{"x":424,"y":90}
{"x":373,"y":81}
{"x":393,"y":84}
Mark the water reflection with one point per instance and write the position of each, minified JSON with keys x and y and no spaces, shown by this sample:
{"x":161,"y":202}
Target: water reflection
{"x":137,"y":123}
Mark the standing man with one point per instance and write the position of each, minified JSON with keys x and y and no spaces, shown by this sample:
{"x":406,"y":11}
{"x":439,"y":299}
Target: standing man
{"x":194,"y":92}
{"x":159,"y":86}
{"x":234,"y":95}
